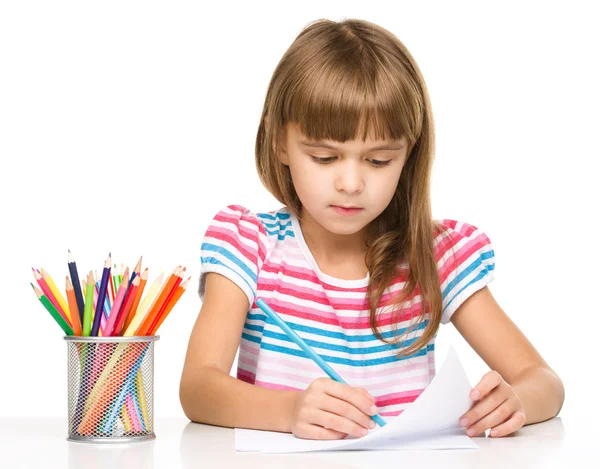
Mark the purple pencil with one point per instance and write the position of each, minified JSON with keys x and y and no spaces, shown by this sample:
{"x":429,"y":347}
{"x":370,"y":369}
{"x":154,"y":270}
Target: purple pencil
{"x":101,"y":296}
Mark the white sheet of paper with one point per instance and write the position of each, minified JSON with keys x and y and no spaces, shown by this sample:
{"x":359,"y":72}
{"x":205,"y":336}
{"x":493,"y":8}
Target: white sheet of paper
{"x":430,"y":422}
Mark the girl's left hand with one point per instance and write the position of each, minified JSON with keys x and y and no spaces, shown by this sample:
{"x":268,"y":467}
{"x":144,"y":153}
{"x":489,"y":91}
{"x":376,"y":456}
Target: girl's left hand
{"x":497,"y":407}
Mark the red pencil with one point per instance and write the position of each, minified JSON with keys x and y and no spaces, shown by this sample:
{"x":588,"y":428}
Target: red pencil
{"x":126,"y":306}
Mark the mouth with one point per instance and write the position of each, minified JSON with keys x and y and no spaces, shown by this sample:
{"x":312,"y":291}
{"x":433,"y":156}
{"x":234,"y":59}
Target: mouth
{"x":347,"y":206}
{"x":346,"y":210}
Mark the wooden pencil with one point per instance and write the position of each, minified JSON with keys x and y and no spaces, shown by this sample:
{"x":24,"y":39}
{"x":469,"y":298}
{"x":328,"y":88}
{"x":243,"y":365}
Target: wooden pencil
{"x":145,"y":306}
{"x":71,"y":298}
{"x":89,"y":305}
{"x":52,"y":310}
{"x":57,"y":294}
{"x":138,"y":295}
{"x":101,"y":295}
{"x":164,"y":293}
{"x":76,"y":285}
{"x":48,"y":294}
{"x":169,"y":307}
{"x":126,"y":305}
{"x":114,"y":312}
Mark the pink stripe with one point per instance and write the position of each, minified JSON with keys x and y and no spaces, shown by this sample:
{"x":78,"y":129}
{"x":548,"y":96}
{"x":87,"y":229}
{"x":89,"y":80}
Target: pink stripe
{"x":454,"y":263}
{"x":398,"y":368}
{"x":305,"y":381}
{"x":284,"y":308}
{"x":391,"y":414}
{"x":263,"y":384}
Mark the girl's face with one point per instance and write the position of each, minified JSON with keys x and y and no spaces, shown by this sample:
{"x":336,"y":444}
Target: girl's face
{"x":327,"y":174}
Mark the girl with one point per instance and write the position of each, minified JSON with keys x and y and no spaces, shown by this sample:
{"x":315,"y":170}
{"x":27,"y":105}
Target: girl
{"x":352,"y":261}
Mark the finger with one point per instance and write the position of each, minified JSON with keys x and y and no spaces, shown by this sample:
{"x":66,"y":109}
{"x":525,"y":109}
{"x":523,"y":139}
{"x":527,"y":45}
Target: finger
{"x":510,"y":426}
{"x":490,"y":402}
{"x":489,"y":381}
{"x":345,"y":409}
{"x":337,"y":422}
{"x":496,"y":417}
{"x":352,"y":395}
{"x":308,"y":431}
{"x":367,"y":393}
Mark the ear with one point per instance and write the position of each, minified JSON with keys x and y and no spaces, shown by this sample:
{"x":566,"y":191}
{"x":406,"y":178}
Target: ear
{"x":282,"y":155}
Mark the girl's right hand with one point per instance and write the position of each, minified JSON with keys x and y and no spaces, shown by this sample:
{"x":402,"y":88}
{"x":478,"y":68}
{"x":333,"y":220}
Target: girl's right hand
{"x":329,"y":410}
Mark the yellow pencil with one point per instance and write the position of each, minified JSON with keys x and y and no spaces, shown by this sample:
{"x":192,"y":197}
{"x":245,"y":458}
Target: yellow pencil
{"x":144,"y":307}
{"x":56,"y":292}
{"x":139,"y":385}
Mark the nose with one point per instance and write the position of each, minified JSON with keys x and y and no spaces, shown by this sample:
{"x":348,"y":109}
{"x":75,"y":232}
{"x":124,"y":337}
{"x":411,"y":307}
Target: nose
{"x":349,"y":179}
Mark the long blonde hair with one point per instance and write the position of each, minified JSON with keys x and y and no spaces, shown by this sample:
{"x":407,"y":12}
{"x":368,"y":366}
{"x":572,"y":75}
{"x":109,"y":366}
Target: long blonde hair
{"x":337,"y":78}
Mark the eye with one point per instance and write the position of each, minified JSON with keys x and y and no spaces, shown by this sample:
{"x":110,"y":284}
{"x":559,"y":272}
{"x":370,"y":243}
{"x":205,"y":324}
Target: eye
{"x":376,"y":163}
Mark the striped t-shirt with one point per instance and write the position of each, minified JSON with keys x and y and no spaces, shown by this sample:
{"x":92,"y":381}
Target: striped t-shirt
{"x":266,"y":255}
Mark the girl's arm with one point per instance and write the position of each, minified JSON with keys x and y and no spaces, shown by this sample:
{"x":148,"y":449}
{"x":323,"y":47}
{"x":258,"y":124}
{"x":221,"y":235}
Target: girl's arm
{"x":207,"y":392}
{"x":506,"y":350}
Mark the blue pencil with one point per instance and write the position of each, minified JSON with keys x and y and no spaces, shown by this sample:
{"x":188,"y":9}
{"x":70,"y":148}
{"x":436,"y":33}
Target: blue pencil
{"x":309,"y":351}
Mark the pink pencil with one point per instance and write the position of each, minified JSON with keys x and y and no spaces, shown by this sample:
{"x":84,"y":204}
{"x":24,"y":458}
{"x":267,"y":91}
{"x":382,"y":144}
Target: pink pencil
{"x":114,"y":311}
{"x":135,"y":422}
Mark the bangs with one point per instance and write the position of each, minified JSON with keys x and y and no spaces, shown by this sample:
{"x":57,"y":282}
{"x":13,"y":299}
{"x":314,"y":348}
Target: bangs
{"x":338,"y":100}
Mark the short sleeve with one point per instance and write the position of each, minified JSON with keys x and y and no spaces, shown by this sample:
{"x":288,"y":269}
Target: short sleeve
{"x":466,"y":262}
{"x":234,"y":245}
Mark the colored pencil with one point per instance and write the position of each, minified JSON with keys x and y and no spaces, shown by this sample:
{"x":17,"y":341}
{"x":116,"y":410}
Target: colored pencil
{"x":115,"y":278}
{"x":138,"y":295}
{"x":114,"y":312}
{"x":158,"y":303}
{"x":165,"y":302}
{"x":307,"y":350}
{"x":136,"y":270}
{"x":89,"y":305}
{"x":131,"y":291}
{"x":169,"y":307}
{"x":48,"y":293}
{"x":139,"y":385}
{"x":76,"y":285}
{"x":56,"y":292}
{"x":73,"y":306}
{"x":101,"y":296}
{"x":52,"y":310}
{"x":148,"y":300}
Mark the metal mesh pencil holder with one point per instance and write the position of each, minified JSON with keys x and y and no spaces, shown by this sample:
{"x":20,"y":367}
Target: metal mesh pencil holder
{"x":111,"y":388}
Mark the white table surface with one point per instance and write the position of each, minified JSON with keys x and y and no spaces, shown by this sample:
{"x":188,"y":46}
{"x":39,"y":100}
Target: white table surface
{"x":42,"y":443}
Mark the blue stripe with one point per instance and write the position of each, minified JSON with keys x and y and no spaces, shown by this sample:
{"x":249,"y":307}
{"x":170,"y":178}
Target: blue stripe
{"x":331,"y":334}
{"x":341,"y":348}
{"x":213,"y":260}
{"x":482,"y":274}
{"x":277,"y":215}
{"x":277,"y":226}
{"x":467,"y":271}
{"x":344,"y":361}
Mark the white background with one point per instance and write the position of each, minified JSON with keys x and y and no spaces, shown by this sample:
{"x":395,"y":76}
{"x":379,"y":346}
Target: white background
{"x":125,"y":126}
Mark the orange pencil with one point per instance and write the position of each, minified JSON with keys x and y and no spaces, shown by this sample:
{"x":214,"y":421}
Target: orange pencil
{"x":136,"y":300}
{"x":169,"y":307}
{"x":73,"y":306}
{"x":160,"y":299}
{"x":166,"y":302}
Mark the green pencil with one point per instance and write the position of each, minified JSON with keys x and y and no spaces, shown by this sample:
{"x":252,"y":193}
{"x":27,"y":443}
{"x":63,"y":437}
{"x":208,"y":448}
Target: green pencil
{"x":52,"y":310}
{"x":89,"y":305}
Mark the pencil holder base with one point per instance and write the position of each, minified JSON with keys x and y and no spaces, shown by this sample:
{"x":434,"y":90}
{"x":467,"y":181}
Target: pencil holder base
{"x":111,"y":387}
{"x":118,"y":440}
